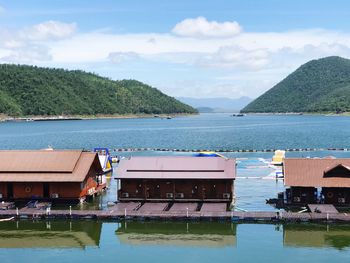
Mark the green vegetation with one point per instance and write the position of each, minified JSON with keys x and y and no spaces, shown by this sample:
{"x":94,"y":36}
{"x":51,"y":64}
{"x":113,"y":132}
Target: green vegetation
{"x":321,"y":85}
{"x":28,"y":90}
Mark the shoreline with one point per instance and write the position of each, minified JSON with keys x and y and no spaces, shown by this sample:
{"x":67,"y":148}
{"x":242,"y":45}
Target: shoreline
{"x":331,"y":114}
{"x":92,"y":117}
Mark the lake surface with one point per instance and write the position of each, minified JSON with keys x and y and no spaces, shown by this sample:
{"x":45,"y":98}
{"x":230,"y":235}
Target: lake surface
{"x":90,"y":241}
{"x":205,"y":131}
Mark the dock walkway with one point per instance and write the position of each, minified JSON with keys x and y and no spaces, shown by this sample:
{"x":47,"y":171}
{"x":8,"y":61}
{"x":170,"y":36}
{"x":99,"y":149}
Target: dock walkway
{"x":176,"y":212}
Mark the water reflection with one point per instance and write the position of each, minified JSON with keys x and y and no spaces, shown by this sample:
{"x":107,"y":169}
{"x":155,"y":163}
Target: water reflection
{"x":162,"y":236}
{"x":204,"y":234}
{"x":56,"y":234}
{"x":317,"y":236}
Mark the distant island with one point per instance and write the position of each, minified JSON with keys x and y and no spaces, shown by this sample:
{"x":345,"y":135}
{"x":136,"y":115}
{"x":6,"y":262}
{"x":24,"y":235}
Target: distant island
{"x":319,"y":86}
{"x":35,"y":91}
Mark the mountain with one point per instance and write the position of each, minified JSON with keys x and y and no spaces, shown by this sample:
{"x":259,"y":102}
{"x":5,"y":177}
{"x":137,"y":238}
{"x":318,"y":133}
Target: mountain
{"x":321,"y":85}
{"x":205,"y":110}
{"x":217,"y":104}
{"x":29,"y":90}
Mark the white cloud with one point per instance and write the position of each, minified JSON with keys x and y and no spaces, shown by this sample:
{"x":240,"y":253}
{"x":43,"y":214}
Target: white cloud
{"x":120,"y":57}
{"x":49,"y":30}
{"x":32,"y":44}
{"x":200,"y":27}
{"x":237,"y":57}
{"x":28,"y":54}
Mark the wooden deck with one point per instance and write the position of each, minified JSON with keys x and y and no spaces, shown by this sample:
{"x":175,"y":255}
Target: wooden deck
{"x":322,"y":208}
{"x":183,"y":207}
{"x":133,"y":210}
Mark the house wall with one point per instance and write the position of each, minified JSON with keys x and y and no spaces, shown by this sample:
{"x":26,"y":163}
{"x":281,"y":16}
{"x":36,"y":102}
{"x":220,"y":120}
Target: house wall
{"x":35,"y":189}
{"x":132,"y":189}
{"x":336,"y":196}
{"x":65,"y":190}
{"x":3,"y":190}
{"x":27,"y":190}
{"x":88,"y":187}
{"x":302,"y":195}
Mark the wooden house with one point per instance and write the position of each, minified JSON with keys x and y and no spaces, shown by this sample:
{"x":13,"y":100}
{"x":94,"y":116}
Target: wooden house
{"x":313,"y":181}
{"x":56,"y":174}
{"x":178,"y":179}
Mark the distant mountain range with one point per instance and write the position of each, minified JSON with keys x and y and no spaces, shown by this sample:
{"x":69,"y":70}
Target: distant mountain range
{"x":216,"y":104}
{"x":318,"y":86}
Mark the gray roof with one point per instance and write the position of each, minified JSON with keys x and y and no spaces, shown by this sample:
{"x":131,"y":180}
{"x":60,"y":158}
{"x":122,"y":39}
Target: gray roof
{"x":183,"y":167}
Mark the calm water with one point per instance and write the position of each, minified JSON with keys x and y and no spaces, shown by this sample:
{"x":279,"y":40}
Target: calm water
{"x":87,"y":241}
{"x":206,"y":131}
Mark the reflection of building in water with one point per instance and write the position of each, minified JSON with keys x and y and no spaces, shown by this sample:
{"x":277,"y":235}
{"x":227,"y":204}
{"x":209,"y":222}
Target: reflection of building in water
{"x":57,"y":234}
{"x":337,"y":236}
{"x":203,"y":234}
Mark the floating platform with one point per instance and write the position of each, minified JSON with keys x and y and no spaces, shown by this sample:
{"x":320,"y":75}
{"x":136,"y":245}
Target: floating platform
{"x":184,"y":211}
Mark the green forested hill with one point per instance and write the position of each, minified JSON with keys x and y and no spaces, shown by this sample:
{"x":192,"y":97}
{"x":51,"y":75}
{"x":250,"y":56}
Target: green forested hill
{"x":321,"y":85}
{"x":28,"y":90}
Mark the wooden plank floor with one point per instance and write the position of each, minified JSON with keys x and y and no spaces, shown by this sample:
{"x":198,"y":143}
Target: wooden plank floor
{"x":152,"y":207}
{"x":182,"y":207}
{"x":214,"y":207}
{"x":322,"y":208}
{"x":128,"y":206}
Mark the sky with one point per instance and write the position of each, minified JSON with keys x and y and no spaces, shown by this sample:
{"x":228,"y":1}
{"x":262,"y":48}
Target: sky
{"x":185,"y":48}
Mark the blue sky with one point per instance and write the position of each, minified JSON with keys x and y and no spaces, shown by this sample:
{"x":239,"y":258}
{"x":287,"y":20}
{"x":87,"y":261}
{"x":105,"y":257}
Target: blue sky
{"x":185,"y":48}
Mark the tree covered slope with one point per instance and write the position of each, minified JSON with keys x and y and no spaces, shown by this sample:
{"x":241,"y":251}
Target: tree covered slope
{"x":321,"y":85}
{"x":28,"y":90}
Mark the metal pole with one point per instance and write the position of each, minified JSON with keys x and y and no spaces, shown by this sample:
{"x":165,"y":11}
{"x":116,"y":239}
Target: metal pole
{"x":17,"y":212}
{"x":327,"y":216}
{"x":124,"y":212}
{"x":70,"y":210}
{"x":187,"y":211}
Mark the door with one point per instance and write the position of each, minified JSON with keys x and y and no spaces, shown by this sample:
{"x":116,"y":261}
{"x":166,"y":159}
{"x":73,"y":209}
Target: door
{"x":46,"y":190}
{"x":9,"y":190}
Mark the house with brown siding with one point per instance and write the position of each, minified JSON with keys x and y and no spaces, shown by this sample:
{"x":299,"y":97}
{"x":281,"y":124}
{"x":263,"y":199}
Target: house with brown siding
{"x":314,"y":180}
{"x":43,"y":174}
{"x":178,"y":179}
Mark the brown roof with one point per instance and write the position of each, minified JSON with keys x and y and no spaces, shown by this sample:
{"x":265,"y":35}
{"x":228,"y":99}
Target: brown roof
{"x":46,"y":166}
{"x":310,"y":172}
{"x":177,"y":168}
